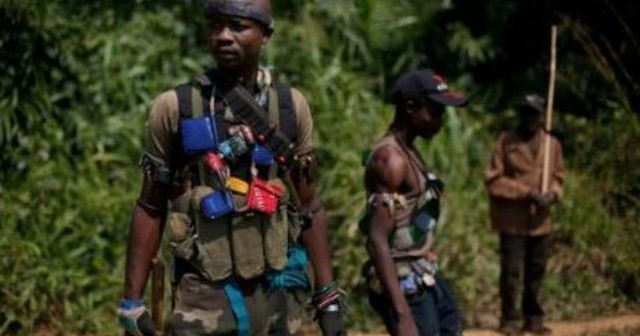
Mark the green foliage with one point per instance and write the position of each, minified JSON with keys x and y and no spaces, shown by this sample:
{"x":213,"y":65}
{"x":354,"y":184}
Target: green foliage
{"x":80,"y":78}
{"x":78,"y":94}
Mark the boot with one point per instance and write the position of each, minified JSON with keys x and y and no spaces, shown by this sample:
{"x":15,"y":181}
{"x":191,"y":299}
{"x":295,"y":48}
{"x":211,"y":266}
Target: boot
{"x":534,"y":325}
{"x":510,"y":327}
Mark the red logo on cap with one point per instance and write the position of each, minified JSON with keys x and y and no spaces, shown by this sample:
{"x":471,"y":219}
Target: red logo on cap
{"x":441,"y":85}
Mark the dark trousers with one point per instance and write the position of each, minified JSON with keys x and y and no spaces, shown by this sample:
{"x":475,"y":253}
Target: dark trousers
{"x":434,"y":310}
{"x":516,"y":252}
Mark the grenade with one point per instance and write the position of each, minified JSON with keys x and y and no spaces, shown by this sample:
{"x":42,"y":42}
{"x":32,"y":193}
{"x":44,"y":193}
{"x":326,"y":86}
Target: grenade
{"x":214,"y":163}
{"x":233,"y":147}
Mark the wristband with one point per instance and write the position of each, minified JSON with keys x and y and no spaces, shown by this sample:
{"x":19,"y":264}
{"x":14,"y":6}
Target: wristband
{"x":332,"y":308}
{"x":129,"y":304}
{"x":326,"y":295}
{"x":129,"y":313}
{"x":326,"y":288}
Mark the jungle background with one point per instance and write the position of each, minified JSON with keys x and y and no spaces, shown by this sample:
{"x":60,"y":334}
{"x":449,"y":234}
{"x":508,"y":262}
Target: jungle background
{"x":77,"y":79}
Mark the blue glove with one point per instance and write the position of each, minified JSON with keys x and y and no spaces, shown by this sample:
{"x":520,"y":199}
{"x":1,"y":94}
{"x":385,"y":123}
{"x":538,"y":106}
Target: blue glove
{"x":135,"y":319}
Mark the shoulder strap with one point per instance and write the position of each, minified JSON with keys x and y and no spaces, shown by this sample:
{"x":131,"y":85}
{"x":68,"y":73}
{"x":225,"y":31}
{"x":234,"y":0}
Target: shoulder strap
{"x":288,"y":116}
{"x":197,"y":91}
{"x":183,"y":91}
{"x":243,"y":104}
{"x":193,"y":101}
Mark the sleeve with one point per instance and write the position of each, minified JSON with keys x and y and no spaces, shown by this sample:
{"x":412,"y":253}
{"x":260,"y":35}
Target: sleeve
{"x":305,"y":123}
{"x":498,"y":183}
{"x":557,"y":179}
{"x":162,"y":131}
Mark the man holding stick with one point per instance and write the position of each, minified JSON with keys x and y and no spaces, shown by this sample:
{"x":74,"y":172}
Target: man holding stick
{"x":520,"y":210}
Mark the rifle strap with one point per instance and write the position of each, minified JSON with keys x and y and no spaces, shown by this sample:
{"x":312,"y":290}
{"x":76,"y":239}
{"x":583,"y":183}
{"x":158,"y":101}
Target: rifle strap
{"x":243,"y":104}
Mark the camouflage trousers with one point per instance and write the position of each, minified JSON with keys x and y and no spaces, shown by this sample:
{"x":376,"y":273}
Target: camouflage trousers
{"x":201,"y":308}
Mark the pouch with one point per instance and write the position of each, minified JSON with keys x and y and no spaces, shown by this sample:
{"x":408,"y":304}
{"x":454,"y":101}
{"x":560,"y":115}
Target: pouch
{"x":239,"y":190}
{"x":263,"y":196}
{"x":423,"y":221}
{"x":261,"y":156}
{"x":179,"y":226}
{"x":199,"y":135}
{"x":215,"y":163}
{"x":409,"y":284}
{"x":402,"y":238}
{"x":422,"y":266}
{"x":217,"y":204}
{"x":425,"y":270}
{"x":233,"y":147}
{"x":276,"y":239}
{"x":421,"y":224}
{"x":181,"y":235}
{"x":247,"y":244}
{"x":212,"y":239}
{"x":237,"y":185}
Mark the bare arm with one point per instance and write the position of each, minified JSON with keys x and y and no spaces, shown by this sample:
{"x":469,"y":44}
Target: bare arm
{"x":145,"y":235}
{"x":316,"y":236}
{"x":387,"y":172}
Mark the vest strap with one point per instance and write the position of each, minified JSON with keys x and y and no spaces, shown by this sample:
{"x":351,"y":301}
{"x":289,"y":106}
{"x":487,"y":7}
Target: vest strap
{"x":238,"y":306}
{"x":288,"y":119}
{"x":275,"y":119}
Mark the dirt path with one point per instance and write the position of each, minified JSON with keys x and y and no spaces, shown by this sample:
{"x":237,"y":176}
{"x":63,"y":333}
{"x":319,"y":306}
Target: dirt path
{"x":617,"y":324}
{"x":592,"y":327}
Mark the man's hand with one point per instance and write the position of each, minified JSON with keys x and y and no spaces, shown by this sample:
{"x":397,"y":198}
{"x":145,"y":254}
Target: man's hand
{"x":543,"y":200}
{"x":406,"y":325}
{"x":135,"y":319}
{"x":331,"y":323}
{"x":548,"y":198}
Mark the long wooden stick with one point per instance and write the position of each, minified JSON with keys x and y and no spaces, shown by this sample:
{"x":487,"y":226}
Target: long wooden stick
{"x":157,"y":294}
{"x":549,"y":112}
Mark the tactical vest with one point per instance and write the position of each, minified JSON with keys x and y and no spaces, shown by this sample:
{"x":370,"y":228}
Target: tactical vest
{"x":215,"y":226}
{"x":415,"y":214}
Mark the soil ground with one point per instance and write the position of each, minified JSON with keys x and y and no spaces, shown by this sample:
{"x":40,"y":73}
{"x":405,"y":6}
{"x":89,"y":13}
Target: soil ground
{"x":615,"y":325}
{"x":621,"y":325}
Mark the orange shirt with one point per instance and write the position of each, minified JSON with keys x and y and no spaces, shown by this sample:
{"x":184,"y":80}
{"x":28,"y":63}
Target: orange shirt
{"x":514,"y":170}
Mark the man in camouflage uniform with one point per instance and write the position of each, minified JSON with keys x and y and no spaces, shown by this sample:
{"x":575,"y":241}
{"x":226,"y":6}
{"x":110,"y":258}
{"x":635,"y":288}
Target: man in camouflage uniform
{"x":238,"y":198}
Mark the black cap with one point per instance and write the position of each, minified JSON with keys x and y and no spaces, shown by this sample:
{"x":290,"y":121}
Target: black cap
{"x":425,"y":84}
{"x":533,"y":102}
{"x":245,"y":9}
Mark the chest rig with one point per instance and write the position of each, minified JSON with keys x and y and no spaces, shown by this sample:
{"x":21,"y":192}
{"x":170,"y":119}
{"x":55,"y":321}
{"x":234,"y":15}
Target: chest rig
{"x":415,"y":215}
{"x":239,"y":218}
